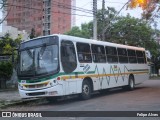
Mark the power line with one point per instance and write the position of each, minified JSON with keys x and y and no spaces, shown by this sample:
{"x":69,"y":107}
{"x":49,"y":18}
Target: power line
{"x":42,"y":10}
{"x":82,"y":7}
{"x":112,"y":2}
{"x":62,"y":6}
{"x":7,"y":13}
{"x":71,"y":6}
{"x":104,"y":30}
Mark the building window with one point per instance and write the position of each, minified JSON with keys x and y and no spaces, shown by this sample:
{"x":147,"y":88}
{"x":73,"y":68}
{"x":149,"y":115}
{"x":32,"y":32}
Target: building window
{"x":48,"y":32}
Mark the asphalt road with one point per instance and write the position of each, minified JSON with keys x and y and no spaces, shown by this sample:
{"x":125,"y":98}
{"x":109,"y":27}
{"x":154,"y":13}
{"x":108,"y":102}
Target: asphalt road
{"x":146,"y":97}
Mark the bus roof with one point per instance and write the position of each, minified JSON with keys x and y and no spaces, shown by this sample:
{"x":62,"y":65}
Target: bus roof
{"x":91,"y":41}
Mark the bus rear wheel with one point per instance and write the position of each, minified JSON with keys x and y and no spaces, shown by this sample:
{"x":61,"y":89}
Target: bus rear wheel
{"x":131,"y":84}
{"x":86,"y":90}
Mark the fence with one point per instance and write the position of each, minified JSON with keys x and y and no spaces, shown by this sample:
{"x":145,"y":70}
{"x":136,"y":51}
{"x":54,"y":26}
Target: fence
{"x":5,"y":57}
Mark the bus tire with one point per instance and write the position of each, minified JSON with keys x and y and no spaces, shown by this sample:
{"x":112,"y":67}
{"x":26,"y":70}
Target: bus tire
{"x":131,"y":83}
{"x":86,"y":90}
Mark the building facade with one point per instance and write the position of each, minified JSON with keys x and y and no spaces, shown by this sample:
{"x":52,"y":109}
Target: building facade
{"x":14,"y":32}
{"x":25,"y":15}
{"x":44,"y":16}
{"x":57,"y":16}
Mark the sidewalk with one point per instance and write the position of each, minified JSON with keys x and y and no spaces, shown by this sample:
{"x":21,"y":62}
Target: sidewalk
{"x":9,"y":95}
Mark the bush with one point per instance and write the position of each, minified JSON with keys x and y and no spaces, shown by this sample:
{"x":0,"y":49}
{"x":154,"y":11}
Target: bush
{"x":6,"y":70}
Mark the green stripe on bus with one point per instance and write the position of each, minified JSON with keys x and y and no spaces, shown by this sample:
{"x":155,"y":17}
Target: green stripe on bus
{"x":54,"y":76}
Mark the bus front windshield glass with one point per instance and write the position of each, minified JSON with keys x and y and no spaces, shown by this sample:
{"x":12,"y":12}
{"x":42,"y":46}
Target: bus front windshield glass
{"x":40,"y":60}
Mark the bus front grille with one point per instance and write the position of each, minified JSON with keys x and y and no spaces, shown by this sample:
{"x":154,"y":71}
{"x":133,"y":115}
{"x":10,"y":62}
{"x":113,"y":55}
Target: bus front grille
{"x":35,"y":93}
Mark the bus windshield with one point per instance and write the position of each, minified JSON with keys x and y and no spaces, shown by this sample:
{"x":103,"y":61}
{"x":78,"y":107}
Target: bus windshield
{"x":39,"y":60}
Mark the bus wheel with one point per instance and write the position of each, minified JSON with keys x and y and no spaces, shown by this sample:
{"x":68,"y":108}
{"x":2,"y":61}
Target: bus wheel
{"x":86,"y":90}
{"x":131,"y":84}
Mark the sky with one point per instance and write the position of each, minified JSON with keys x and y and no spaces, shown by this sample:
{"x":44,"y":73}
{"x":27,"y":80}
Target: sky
{"x":117,"y":4}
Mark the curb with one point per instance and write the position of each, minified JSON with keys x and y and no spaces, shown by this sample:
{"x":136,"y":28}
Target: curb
{"x":16,"y":102}
{"x":6,"y":90}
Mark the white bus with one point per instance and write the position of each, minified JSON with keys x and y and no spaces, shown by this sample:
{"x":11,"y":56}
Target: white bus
{"x":61,"y":65}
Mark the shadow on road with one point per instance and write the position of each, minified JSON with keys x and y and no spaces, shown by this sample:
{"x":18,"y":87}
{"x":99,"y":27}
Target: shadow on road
{"x":97,"y":94}
{"x":67,"y":100}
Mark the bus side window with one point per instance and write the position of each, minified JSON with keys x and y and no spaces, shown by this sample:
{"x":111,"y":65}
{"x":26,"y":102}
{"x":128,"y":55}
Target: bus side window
{"x":140,"y":56}
{"x":132,"y":56}
{"x":122,"y":55}
{"x":98,"y":53}
{"x":68,"y":56}
{"x":84,"y":52}
{"x":111,"y":53}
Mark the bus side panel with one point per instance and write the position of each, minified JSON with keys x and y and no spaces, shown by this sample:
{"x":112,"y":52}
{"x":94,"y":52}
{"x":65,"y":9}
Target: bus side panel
{"x":108,"y":77}
{"x":140,"y":72}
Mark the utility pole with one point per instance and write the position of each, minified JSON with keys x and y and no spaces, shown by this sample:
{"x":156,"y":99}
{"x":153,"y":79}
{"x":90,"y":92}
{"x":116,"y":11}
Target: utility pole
{"x":103,"y":10}
{"x":94,"y":19}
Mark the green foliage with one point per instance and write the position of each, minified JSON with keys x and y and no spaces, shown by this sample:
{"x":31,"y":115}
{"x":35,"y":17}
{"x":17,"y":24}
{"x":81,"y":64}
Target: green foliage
{"x":8,"y":44}
{"x":153,"y":47}
{"x":123,"y":30}
{"x":6,"y":70}
{"x":133,"y":31}
{"x":105,"y":17}
{"x":84,"y":32}
{"x":18,"y":40}
{"x":74,"y":32}
{"x":130,"y":30}
{"x":7,"y":49}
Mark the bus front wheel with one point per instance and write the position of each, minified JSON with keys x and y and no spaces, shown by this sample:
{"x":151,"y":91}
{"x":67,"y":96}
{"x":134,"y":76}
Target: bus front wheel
{"x":86,"y":90}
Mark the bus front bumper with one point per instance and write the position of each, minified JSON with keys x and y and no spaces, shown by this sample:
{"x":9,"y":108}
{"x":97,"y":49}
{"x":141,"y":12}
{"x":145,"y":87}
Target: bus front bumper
{"x":46,"y":92}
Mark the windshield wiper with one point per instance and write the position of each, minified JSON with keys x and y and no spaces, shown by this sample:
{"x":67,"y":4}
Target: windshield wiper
{"x":42,"y":49}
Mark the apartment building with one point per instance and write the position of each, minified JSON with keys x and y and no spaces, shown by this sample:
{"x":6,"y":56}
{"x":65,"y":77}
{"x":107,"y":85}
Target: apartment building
{"x":44,"y":16}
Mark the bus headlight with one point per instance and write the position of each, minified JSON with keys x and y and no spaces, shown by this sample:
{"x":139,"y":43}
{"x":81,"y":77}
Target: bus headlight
{"x":20,"y":86}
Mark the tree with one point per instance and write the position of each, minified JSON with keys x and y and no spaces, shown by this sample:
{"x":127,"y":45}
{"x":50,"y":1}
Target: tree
{"x":6,"y":70}
{"x":32,"y":35}
{"x":104,"y":18}
{"x":84,"y":32}
{"x":8,"y":44}
{"x":133,"y":31}
{"x":148,"y":6}
{"x":18,"y":40}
